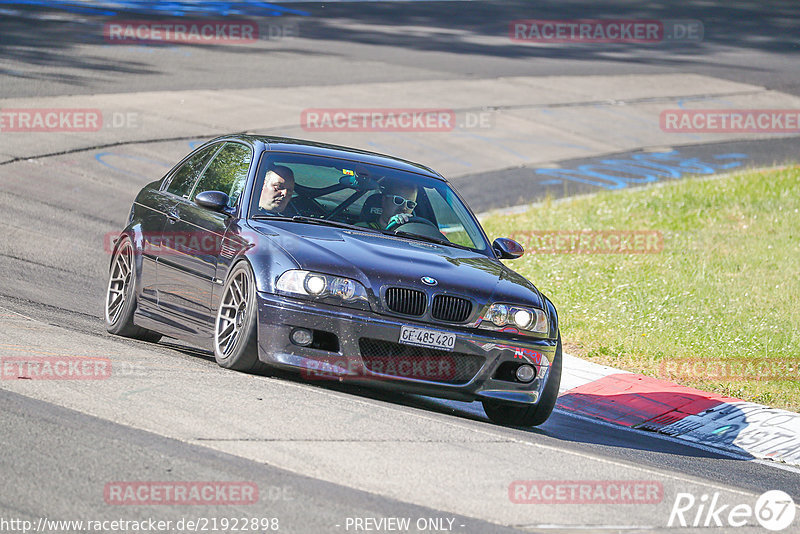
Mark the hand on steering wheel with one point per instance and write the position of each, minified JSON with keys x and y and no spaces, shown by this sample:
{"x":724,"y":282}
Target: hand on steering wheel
{"x":398,"y":220}
{"x":405,"y":218}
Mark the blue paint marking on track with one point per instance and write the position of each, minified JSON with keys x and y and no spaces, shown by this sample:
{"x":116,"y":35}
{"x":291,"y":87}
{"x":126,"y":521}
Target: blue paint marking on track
{"x":174,"y":8}
{"x":732,"y":164}
{"x":640,"y":169}
{"x":100,"y":157}
{"x":70,"y":7}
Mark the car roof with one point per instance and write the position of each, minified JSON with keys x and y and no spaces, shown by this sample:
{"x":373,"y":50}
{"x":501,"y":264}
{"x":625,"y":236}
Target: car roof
{"x":302,"y":146}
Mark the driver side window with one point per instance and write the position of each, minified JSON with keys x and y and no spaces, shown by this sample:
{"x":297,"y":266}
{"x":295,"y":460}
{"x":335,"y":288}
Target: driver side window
{"x":227,"y":172}
{"x":185,"y":177}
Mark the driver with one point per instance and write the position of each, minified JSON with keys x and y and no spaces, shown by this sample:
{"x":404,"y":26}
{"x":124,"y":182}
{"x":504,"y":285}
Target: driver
{"x":277,"y":190}
{"x":398,"y":202}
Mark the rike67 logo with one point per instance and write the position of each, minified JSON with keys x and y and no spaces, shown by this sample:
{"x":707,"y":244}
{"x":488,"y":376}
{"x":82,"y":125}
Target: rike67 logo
{"x":774,"y":510}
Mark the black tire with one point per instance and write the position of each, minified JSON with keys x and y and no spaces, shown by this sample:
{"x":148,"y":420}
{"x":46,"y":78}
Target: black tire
{"x":516,"y":415}
{"x":120,"y":300}
{"x":235,"y":328}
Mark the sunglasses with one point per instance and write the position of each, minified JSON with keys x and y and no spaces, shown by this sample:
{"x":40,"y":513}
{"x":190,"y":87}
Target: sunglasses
{"x":399,"y":201}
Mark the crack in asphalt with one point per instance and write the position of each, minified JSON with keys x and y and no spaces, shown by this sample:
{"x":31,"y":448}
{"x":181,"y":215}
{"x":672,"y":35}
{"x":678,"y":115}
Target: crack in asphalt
{"x":78,"y":213}
{"x":614,"y":102}
{"x":107,"y":145}
{"x":38,"y":264}
{"x":555,"y":105}
{"x":38,"y":304}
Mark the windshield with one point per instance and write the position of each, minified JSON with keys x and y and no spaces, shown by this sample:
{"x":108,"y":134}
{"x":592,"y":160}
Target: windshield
{"x":365,"y":196}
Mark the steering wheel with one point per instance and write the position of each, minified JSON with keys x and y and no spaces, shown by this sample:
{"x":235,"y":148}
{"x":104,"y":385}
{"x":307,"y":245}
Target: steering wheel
{"x":396,"y":224}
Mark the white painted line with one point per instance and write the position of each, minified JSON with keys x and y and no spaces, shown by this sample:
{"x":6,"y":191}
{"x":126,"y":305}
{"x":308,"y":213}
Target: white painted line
{"x":576,"y":372}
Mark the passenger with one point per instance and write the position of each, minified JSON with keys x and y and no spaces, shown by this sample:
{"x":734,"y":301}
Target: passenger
{"x":398,"y":202}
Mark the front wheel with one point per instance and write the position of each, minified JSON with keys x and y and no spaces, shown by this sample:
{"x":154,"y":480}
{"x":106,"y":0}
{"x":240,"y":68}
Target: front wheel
{"x":235,"y":336}
{"x":509,"y":414}
{"x":121,"y":296}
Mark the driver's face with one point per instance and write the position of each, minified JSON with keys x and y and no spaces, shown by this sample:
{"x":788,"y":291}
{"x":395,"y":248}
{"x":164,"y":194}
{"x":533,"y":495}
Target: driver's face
{"x":277,"y":192}
{"x":390,"y":208}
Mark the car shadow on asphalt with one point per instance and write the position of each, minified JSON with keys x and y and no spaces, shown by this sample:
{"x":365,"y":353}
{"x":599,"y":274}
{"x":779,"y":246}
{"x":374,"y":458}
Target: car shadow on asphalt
{"x":565,"y":425}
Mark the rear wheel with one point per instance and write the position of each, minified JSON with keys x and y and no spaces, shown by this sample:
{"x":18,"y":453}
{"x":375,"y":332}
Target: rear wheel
{"x":121,"y":296}
{"x":504,"y":413}
{"x":235,"y":332}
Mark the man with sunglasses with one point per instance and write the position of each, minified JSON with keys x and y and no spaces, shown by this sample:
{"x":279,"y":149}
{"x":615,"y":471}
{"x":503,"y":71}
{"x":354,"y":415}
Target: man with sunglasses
{"x":398,"y":202}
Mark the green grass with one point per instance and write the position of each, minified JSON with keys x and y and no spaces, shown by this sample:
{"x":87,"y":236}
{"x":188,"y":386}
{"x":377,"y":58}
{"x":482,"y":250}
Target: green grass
{"x":726,"y":285}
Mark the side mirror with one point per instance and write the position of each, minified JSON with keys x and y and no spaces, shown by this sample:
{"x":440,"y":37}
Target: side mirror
{"x":213,"y":200}
{"x":507,"y":249}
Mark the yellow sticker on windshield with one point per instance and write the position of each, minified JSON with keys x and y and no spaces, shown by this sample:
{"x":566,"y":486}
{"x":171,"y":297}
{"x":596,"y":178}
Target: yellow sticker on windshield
{"x":348,"y":172}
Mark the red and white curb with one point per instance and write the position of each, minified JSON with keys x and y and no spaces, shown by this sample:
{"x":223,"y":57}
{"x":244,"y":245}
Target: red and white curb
{"x":707,"y":419}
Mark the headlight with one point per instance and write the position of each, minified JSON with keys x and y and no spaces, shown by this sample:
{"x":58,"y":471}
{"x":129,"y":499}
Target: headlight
{"x":344,"y":288}
{"x":314,"y":284}
{"x":524,"y":319}
{"x":498,"y":314}
{"x":323,"y":286}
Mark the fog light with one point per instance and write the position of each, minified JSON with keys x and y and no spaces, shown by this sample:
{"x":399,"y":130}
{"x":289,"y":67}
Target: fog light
{"x":302,"y":337}
{"x":525,"y":373}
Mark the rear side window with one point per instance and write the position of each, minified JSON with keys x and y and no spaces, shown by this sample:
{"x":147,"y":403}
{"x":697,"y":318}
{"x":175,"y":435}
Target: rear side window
{"x":227,"y":172}
{"x":185,"y":177}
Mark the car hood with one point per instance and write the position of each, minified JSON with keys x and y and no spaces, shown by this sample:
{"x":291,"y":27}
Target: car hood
{"x":378,"y":260}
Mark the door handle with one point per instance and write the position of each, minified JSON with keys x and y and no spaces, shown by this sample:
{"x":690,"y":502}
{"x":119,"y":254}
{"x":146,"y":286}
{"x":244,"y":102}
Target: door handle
{"x":172,"y":216}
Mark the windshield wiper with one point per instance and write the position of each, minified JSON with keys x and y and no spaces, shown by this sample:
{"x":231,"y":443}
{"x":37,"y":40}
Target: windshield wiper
{"x":263,"y":217}
{"x":427,"y":238}
{"x":310,"y":220}
{"x":327,"y":222}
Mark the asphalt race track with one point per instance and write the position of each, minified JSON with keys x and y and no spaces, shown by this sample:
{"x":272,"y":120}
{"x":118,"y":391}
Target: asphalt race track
{"x":325,"y":457}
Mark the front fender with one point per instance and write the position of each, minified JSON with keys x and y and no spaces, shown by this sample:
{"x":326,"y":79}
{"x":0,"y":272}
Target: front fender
{"x":267,"y":259}
{"x":552,"y":314}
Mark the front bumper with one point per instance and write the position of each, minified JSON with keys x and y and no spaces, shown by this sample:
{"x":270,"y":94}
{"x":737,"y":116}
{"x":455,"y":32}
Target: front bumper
{"x":474,"y":369}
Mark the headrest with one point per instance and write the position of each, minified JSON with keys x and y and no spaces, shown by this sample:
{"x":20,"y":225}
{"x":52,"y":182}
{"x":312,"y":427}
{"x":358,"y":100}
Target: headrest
{"x":372,"y":209}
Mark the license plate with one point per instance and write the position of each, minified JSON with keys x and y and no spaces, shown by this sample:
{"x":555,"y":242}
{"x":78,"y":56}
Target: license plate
{"x":411,"y":335}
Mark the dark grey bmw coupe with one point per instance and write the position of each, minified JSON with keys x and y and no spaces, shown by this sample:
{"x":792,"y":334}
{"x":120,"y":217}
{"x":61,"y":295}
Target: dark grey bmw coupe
{"x":341,"y":264}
